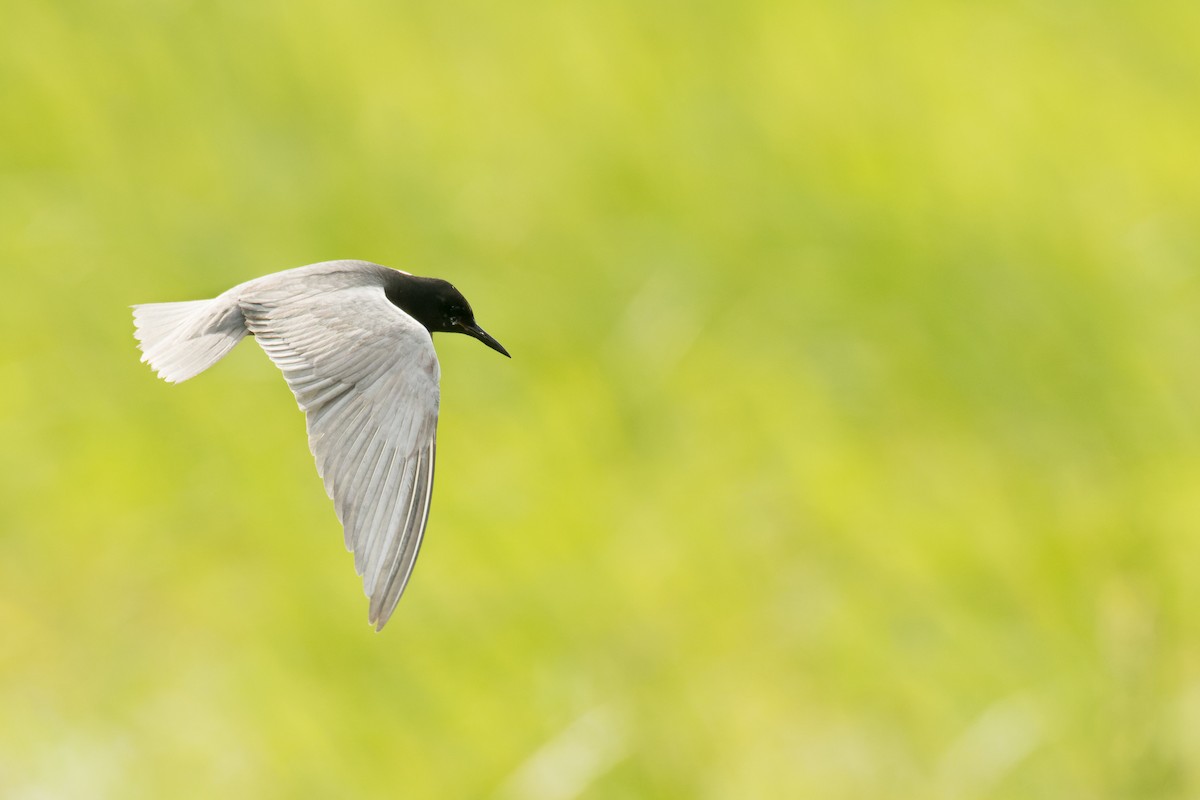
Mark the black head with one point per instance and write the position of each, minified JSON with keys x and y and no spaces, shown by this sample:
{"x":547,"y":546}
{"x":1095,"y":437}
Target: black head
{"x":438,"y":306}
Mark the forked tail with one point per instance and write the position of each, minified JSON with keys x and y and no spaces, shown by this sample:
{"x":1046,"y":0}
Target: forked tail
{"x":181,"y":340}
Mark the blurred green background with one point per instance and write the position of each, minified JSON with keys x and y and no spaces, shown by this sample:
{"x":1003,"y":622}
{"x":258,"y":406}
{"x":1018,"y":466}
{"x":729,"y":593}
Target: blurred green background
{"x":849,"y":448}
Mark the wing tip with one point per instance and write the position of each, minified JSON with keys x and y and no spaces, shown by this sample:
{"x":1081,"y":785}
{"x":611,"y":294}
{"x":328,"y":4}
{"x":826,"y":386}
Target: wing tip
{"x":381,"y":610}
{"x":380,"y":617}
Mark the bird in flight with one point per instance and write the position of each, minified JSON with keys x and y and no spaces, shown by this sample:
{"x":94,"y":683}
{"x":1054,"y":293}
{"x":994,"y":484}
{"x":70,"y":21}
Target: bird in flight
{"x":353,"y":340}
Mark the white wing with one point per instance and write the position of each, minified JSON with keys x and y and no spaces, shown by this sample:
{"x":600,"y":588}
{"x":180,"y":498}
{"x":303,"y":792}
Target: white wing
{"x":366,"y":375}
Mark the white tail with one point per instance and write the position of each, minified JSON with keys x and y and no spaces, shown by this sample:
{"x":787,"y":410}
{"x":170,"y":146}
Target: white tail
{"x":181,"y":340}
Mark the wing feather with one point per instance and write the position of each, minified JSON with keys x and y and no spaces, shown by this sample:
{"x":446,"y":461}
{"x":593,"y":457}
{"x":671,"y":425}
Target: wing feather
{"x":375,"y":515}
{"x":387,"y":596}
{"x":384,"y":550}
{"x":366,"y":376}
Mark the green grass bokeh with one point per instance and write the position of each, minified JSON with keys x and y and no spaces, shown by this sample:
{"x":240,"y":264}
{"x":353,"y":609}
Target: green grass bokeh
{"x":849,"y":447}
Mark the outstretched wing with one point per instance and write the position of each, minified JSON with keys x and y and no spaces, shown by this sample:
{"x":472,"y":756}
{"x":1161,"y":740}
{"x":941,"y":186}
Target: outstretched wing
{"x":366,"y":375}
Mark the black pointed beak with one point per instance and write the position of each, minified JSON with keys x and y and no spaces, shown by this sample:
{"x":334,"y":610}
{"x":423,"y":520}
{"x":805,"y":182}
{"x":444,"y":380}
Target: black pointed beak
{"x":471,"y":329}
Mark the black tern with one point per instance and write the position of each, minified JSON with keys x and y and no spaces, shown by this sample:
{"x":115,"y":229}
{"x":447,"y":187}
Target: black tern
{"x":353,"y":340}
